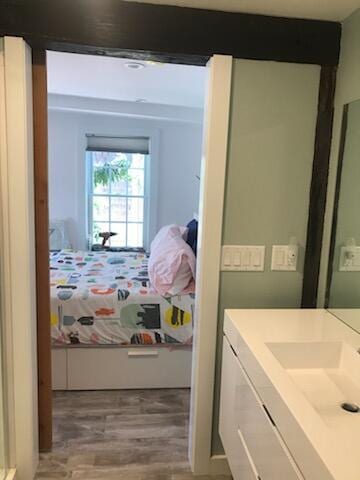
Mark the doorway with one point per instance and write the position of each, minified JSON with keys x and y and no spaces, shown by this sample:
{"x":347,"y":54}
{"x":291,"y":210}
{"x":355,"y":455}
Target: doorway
{"x":60,"y":229}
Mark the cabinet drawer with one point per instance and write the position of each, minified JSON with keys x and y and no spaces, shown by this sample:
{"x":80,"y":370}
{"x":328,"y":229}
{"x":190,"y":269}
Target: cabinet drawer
{"x":243,"y":414}
{"x":237,"y":457}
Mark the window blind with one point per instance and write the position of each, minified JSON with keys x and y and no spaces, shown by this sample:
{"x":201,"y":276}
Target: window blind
{"x":97,"y":143}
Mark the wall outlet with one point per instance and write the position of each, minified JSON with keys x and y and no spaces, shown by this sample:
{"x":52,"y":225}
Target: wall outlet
{"x":349,"y":259}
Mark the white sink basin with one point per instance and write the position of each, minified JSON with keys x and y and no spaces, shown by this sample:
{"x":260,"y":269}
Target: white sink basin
{"x":327,"y":373}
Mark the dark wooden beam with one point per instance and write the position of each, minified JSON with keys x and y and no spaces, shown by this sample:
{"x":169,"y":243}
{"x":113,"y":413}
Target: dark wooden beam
{"x":344,"y":126}
{"x":42,"y":249}
{"x":182,"y":35}
{"x":318,"y":189}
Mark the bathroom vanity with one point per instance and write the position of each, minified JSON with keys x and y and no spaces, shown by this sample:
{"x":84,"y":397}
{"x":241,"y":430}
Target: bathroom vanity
{"x":285,"y":376}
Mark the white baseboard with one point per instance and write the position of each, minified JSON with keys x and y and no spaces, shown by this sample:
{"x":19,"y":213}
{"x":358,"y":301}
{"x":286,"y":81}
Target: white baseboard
{"x":219,"y":465}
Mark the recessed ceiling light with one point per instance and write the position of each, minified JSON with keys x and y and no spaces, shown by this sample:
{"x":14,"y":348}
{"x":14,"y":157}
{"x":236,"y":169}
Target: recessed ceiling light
{"x":140,"y":100}
{"x":134,"y":65}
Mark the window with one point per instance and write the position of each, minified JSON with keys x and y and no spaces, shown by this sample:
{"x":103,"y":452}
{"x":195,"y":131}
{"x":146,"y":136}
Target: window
{"x":117,"y":190}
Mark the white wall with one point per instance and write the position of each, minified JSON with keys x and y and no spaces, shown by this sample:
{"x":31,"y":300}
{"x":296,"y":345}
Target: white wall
{"x":177,"y":154}
{"x":347,"y":90}
{"x":17,"y":251}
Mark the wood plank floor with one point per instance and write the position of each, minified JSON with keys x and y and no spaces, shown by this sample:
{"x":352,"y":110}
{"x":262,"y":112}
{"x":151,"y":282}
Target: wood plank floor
{"x":122,"y":434}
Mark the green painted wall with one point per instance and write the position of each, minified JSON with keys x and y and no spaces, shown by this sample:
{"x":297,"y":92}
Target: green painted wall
{"x":347,"y":90}
{"x":271,"y":145}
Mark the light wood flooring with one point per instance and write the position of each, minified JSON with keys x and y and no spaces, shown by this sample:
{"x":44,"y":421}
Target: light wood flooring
{"x":122,"y":434}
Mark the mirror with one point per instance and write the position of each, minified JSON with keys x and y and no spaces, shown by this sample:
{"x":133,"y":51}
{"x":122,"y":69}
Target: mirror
{"x":343,"y":289}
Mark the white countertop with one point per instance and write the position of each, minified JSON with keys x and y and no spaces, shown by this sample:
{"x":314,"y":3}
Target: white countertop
{"x":336,"y":442}
{"x":351,"y":316}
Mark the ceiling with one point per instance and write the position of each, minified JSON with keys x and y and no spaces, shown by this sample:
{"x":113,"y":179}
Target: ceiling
{"x":336,"y":10}
{"x":107,"y":77}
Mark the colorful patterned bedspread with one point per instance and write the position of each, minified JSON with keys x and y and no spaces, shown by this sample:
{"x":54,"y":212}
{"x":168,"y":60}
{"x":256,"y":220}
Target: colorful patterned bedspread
{"x":101,"y":298}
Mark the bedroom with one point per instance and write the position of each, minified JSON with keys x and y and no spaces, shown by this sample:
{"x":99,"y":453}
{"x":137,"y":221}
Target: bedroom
{"x":125,"y":140}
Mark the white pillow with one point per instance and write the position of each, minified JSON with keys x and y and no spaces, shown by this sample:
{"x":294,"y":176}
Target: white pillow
{"x":172,"y":262}
{"x":182,"y":279}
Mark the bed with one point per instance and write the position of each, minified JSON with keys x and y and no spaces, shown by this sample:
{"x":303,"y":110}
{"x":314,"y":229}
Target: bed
{"x":111,"y":329}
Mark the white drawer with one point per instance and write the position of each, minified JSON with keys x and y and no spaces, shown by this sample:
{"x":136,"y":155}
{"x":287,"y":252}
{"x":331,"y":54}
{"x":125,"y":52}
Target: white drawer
{"x":245,"y":422}
{"x":59,"y":368}
{"x":237,"y":456}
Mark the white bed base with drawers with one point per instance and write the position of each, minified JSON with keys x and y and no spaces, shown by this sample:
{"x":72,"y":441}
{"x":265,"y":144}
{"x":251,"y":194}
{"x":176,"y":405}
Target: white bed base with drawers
{"x":120,"y":367}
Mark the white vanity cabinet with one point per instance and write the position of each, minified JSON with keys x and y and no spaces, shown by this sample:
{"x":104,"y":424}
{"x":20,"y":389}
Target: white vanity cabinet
{"x":252,"y":443}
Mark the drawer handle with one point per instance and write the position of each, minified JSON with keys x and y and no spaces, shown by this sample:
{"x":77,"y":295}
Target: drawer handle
{"x":143,"y":353}
{"x":233,"y":350}
{"x":269,"y":416}
{"x":248,"y":454}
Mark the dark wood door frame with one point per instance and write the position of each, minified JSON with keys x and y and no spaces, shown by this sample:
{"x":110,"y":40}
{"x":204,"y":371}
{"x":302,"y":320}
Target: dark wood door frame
{"x":42,"y":247}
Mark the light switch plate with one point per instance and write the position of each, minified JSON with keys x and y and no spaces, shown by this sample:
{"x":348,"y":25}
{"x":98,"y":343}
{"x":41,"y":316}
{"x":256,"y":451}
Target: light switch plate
{"x":284,"y":258}
{"x":243,"y":258}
